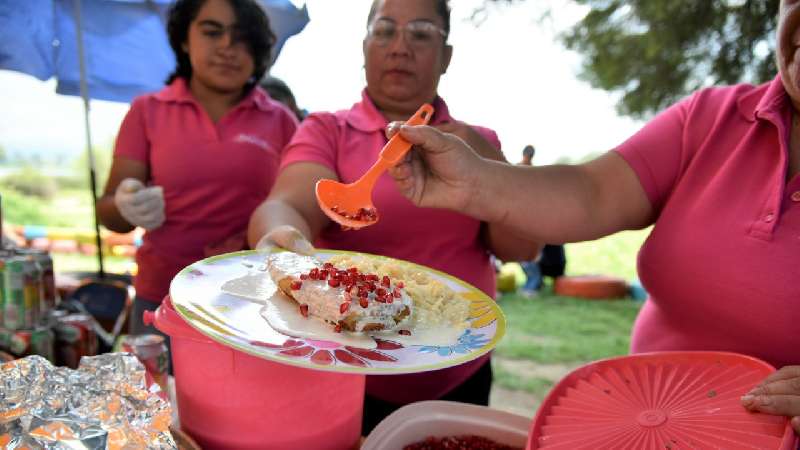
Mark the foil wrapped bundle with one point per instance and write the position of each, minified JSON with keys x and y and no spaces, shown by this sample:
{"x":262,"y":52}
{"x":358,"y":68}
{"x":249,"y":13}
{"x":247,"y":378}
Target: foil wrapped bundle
{"x":104,"y":404}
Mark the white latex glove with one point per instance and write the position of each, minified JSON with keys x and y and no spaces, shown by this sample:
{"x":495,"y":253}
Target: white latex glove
{"x":139,"y":205}
{"x":287,"y":237}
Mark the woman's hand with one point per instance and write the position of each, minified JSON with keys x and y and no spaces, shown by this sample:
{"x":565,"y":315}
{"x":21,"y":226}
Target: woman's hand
{"x":440,"y":171}
{"x":778,"y":394}
{"x":287,"y":237}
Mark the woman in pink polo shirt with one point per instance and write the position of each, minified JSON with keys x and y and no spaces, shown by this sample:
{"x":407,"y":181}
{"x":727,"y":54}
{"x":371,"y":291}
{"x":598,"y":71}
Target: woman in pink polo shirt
{"x":405,"y":53}
{"x":717,"y":176}
{"x":193,"y":160}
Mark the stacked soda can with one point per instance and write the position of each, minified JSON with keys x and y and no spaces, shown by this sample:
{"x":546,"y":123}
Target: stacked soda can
{"x":27,"y":295}
{"x":74,"y":337}
{"x":151,"y":350}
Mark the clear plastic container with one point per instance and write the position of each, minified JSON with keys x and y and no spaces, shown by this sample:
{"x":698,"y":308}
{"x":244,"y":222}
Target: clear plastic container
{"x":417,"y":421}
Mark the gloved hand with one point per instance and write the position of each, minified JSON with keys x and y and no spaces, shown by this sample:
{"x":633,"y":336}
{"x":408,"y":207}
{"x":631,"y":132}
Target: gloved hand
{"x":288,"y":237}
{"x":139,"y":205}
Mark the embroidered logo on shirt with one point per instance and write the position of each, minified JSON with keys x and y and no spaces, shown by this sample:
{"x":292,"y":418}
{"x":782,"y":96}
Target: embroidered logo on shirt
{"x":250,"y":139}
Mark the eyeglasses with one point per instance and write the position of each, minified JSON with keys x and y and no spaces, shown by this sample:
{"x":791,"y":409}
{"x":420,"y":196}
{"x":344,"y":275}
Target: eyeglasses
{"x":418,"y":34}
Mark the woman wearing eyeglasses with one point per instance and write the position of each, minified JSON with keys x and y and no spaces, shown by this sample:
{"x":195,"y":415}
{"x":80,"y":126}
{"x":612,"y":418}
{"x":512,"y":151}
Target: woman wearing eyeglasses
{"x":405,"y":52}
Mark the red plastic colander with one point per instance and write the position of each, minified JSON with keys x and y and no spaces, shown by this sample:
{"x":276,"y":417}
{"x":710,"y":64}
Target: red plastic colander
{"x":669,"y":400}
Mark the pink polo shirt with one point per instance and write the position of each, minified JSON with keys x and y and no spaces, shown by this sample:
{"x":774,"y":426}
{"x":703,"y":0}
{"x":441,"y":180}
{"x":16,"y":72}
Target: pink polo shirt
{"x":723,"y":260}
{"x":213,"y":175}
{"x":348,"y":142}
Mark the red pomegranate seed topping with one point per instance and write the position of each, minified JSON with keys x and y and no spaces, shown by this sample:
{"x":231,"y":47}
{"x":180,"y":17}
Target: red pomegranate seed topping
{"x":363,"y":294}
{"x":400,"y":284}
{"x":304,"y":310}
{"x":338,"y":328}
{"x":348,"y":288}
{"x":333,"y":282}
{"x":386,"y":281}
{"x":323,"y":274}
{"x":327,"y":265}
{"x":380,"y":299}
{"x":405,"y":332}
{"x":396,"y":294}
{"x":380,"y":292}
{"x":344,"y":307}
{"x":353,"y":270}
{"x":304,"y":276}
{"x":372,"y":277}
{"x":363,"y":302}
{"x":372,"y":287}
{"x":314,"y":274}
{"x":296,"y":285}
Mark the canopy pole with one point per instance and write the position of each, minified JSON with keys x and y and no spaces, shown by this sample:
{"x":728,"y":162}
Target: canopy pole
{"x":85,"y":96}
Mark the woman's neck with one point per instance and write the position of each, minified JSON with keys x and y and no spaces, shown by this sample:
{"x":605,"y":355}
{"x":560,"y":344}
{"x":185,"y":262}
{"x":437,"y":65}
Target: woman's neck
{"x":214,"y":102}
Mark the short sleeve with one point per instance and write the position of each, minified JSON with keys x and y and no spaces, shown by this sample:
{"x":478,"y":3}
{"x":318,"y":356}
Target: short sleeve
{"x":490,"y":137}
{"x":314,"y":141}
{"x":657,"y":152}
{"x":132,"y":141}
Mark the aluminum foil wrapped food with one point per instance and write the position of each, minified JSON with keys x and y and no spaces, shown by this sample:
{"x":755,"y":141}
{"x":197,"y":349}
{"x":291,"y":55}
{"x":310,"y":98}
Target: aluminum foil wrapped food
{"x":104,"y":404}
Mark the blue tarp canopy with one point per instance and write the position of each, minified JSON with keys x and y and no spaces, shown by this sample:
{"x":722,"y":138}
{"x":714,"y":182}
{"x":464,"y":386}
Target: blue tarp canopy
{"x":125,"y":42}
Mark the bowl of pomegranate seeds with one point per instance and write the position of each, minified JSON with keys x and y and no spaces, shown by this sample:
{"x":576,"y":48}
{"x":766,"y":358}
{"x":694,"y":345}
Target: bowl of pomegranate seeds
{"x":439,"y":425}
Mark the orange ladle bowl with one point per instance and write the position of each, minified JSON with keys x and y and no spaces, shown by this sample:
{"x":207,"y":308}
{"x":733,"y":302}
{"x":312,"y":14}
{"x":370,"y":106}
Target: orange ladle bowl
{"x":350,"y":205}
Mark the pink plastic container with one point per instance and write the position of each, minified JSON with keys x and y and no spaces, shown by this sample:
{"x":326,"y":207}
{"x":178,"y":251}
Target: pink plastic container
{"x":657,"y":401}
{"x":230,"y":400}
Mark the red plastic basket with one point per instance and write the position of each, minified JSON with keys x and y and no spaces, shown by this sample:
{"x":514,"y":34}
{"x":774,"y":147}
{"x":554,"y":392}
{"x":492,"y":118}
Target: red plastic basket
{"x":669,"y":400}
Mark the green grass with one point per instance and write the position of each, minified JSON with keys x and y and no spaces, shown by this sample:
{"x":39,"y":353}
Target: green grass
{"x":548,"y":335}
{"x":553,"y":329}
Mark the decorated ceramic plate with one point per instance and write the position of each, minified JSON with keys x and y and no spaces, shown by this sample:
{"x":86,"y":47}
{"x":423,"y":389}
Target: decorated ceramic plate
{"x":229,"y":298}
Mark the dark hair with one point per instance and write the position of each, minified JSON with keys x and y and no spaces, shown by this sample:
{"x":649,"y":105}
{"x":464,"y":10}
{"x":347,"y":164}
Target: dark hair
{"x":253,"y":28}
{"x":442,"y":9}
{"x":276,"y":88}
{"x":528,"y":151}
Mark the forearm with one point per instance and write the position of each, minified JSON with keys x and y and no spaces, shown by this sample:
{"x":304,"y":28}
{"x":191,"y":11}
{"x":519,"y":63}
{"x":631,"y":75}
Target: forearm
{"x":507,"y":245}
{"x":554,"y":204}
{"x":272,"y":214}
{"x":109,"y":215}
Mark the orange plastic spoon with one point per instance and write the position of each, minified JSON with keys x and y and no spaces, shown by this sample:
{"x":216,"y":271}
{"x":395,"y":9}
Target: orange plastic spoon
{"x":350,"y":205}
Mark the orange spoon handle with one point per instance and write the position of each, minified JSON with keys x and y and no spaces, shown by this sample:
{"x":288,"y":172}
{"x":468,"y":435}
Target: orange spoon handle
{"x":397,"y":146}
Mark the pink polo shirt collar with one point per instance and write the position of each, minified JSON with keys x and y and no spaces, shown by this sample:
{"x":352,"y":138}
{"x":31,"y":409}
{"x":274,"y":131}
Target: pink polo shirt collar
{"x":178,"y":92}
{"x":365,"y":117}
{"x":768,"y":105}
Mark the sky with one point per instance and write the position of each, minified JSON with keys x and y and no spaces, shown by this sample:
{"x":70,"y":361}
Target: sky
{"x":508,"y":73}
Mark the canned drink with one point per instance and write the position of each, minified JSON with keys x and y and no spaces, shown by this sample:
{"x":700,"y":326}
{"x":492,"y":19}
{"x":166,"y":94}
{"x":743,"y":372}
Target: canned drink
{"x":49,"y":294}
{"x":75,"y":338}
{"x":14,"y":309}
{"x":38,"y":341}
{"x":152,"y":351}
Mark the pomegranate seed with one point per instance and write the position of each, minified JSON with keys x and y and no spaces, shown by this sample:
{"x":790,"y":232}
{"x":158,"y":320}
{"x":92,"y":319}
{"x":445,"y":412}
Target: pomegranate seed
{"x":363,"y":302}
{"x":363,"y":294}
{"x":348,"y":288}
{"x":389,"y":299}
{"x":323,"y":274}
{"x":400,"y":284}
{"x":304,"y":310}
{"x":381,"y":292}
{"x":405,"y":332}
{"x":386,"y":281}
{"x":327,"y":265}
{"x":304,"y":276}
{"x":372,"y":287}
{"x":344,"y":307}
{"x":296,"y":285}
{"x":314,"y":274}
{"x":333,"y":282}
{"x":380,"y":299}
{"x":396,"y":294}
{"x":353,"y":270}
{"x":372,"y":277}
{"x":338,"y":328}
